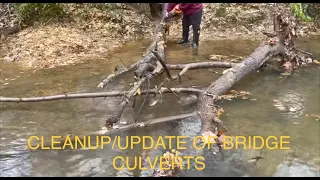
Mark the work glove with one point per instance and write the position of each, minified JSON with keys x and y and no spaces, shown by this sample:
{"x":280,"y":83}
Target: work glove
{"x":173,"y":12}
{"x":177,"y":9}
{"x":166,"y":15}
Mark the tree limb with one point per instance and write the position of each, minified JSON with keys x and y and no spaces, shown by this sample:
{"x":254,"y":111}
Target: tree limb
{"x":104,"y":82}
{"x":192,"y":66}
{"x":146,"y":66}
{"x":97,"y":95}
{"x":144,"y":63}
{"x":226,"y":81}
{"x":146,"y":123}
{"x":201,"y":65}
{"x":163,"y":64}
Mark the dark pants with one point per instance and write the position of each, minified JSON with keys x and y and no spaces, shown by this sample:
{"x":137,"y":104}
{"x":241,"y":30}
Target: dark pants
{"x":193,"y":20}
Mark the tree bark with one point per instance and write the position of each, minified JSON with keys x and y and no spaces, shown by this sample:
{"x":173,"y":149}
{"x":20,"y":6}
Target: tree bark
{"x":226,"y":81}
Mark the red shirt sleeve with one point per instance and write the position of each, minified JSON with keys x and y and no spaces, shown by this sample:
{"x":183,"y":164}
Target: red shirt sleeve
{"x":171,"y":6}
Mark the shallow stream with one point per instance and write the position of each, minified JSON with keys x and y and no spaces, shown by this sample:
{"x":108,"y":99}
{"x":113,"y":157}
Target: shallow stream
{"x":257,"y":117}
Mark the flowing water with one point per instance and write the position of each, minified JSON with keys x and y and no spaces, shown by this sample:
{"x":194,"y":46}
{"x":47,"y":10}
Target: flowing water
{"x":300,"y":92}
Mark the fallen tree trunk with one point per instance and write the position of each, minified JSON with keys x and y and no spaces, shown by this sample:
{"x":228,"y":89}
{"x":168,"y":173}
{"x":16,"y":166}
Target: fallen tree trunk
{"x":206,"y":109}
{"x":280,"y":43}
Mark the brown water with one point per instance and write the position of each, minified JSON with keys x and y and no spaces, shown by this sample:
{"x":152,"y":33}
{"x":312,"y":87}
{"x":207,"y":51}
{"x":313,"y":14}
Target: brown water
{"x":82,"y":116}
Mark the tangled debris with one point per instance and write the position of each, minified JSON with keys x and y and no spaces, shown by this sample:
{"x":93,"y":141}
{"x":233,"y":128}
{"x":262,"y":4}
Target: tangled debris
{"x":9,"y":22}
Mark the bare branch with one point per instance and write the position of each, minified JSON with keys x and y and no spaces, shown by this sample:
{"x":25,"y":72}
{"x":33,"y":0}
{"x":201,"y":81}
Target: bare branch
{"x":302,"y":51}
{"x":136,"y":125}
{"x":143,"y":124}
{"x":98,"y":94}
{"x":116,"y":74}
{"x":145,"y":62}
{"x":123,"y":63}
{"x":201,"y":65}
{"x":192,"y":66}
{"x":163,"y":64}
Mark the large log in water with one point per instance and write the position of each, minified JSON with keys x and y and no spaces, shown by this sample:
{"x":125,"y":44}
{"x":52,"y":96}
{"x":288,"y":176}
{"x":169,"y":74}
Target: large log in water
{"x":226,"y":81}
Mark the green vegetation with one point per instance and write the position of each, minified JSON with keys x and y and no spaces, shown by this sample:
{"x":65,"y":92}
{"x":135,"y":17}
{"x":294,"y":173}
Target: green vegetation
{"x":300,"y":12}
{"x":31,"y":12}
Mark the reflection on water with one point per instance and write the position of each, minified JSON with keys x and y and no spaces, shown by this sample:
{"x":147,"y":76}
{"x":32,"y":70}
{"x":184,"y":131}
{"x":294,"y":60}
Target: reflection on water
{"x":299,"y":93}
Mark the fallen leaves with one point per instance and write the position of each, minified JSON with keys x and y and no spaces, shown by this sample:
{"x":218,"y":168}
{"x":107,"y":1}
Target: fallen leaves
{"x":209,"y":137}
{"x":167,"y":170}
{"x":213,"y":138}
{"x":154,"y":102}
{"x":138,"y":92}
{"x":141,"y":125}
{"x":233,"y":94}
{"x":52,"y":45}
{"x":218,"y":57}
{"x":315,"y":116}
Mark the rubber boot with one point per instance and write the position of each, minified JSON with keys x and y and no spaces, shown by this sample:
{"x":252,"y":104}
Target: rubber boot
{"x":185,"y":35}
{"x":196,"y":34}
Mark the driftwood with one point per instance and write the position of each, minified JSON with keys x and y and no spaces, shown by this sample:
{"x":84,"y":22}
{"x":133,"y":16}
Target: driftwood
{"x":97,"y":95}
{"x":206,"y":108}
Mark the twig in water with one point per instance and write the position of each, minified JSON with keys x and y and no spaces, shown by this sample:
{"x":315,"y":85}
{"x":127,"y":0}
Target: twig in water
{"x":144,"y":100}
{"x":302,"y":51}
{"x":123,"y":63}
{"x":162,"y":63}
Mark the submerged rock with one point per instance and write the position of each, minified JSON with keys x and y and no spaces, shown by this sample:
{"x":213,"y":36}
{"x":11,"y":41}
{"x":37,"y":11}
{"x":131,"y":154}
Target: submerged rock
{"x":297,"y":168}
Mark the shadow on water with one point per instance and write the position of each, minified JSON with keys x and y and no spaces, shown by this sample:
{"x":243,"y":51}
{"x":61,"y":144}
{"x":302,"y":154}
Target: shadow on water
{"x":83,"y":116}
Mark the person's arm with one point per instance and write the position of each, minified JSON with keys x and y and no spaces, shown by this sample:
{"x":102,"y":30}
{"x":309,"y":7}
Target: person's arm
{"x":171,"y":6}
{"x":172,"y":10}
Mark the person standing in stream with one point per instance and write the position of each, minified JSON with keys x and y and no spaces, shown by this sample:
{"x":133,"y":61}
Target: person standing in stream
{"x":192,"y":16}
